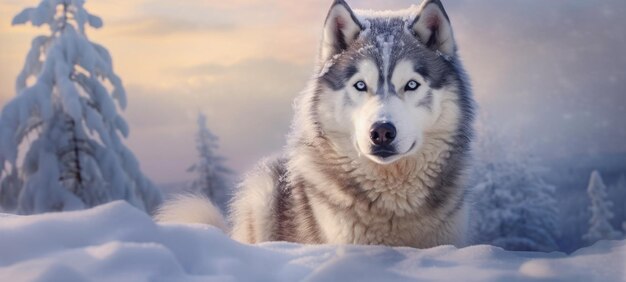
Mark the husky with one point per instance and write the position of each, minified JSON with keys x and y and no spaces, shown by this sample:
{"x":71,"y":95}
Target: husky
{"x":379,"y":144}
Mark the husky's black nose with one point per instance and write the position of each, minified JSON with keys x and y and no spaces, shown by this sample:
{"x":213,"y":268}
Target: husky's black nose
{"x":382,"y":133}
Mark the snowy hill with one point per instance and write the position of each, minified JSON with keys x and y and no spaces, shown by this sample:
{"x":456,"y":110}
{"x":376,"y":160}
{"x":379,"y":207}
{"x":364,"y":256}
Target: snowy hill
{"x":118,"y":242}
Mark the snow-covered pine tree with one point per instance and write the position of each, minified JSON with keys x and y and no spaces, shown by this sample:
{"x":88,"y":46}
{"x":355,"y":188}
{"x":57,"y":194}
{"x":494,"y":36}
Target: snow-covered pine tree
{"x":212,"y":176}
{"x":514,"y":207}
{"x":599,"y":226}
{"x":65,"y":116}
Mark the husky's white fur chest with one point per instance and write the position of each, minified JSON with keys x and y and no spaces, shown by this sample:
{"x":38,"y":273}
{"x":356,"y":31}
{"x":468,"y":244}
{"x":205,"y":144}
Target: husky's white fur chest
{"x":355,"y":201}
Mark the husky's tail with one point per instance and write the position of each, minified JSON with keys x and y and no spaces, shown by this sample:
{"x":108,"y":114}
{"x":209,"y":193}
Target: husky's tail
{"x":190,"y":208}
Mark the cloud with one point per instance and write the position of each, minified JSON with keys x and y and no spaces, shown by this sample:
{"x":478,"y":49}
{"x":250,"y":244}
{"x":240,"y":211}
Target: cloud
{"x":164,"y":26}
{"x":209,"y":69}
{"x":248,"y":107}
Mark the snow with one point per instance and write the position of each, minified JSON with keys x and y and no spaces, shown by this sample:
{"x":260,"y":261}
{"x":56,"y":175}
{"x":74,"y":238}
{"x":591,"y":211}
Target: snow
{"x":118,"y":242}
{"x":328,"y":64}
{"x":408,"y":14}
{"x":385,"y":44}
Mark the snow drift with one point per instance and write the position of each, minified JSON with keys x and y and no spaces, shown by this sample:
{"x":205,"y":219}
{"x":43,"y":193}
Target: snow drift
{"x":119,"y":242}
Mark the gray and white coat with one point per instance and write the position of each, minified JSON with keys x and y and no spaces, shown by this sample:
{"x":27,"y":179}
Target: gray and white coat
{"x":379,"y":143}
{"x":326,"y":188}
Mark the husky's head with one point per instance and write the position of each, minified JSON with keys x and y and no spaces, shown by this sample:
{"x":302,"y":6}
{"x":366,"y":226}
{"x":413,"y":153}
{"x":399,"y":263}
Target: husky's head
{"x":388,"y":79}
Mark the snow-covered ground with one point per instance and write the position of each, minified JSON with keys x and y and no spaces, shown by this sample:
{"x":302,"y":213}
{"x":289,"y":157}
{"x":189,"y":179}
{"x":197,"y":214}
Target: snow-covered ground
{"x":118,"y":242}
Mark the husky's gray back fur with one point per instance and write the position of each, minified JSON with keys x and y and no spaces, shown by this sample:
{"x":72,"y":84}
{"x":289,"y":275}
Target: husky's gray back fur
{"x":322,"y":190}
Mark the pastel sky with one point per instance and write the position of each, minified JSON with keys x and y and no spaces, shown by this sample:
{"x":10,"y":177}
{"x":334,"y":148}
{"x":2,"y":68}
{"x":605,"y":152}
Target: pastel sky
{"x":550,"y":74}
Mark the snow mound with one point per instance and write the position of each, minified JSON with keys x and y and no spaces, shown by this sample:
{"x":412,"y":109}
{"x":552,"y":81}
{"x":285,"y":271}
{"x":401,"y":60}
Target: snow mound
{"x":117,"y":242}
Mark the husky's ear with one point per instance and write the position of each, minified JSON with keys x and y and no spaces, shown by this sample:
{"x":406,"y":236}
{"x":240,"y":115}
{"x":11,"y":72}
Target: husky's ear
{"x":432,"y":26}
{"x":340,"y":29}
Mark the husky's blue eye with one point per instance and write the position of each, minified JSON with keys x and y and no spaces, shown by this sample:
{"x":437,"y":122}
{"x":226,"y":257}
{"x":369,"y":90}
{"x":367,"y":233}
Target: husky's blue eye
{"x":411,"y":85}
{"x":360,"y":86}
